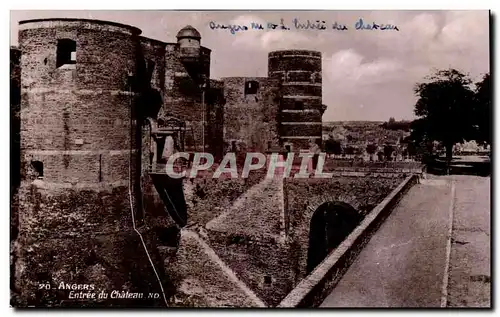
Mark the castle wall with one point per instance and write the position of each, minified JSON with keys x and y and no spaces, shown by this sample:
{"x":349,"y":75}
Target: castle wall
{"x":183,"y":96}
{"x":266,"y":266}
{"x":15,"y":107}
{"x":203,"y":280}
{"x":250,"y":120}
{"x":153,"y":52}
{"x":304,"y":196}
{"x":153,"y":64}
{"x":215,"y":130}
{"x":15,"y":150}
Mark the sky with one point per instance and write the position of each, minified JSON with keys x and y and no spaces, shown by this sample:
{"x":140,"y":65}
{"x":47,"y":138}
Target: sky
{"x":367,"y":74}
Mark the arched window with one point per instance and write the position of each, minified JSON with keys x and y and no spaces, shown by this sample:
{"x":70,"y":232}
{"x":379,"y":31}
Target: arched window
{"x":66,"y":52}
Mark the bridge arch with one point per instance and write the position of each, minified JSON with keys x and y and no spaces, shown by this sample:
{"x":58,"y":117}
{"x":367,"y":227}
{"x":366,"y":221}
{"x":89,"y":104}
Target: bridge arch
{"x":330,"y":224}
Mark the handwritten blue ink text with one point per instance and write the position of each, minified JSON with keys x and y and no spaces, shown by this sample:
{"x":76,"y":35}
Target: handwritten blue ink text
{"x":361,"y":25}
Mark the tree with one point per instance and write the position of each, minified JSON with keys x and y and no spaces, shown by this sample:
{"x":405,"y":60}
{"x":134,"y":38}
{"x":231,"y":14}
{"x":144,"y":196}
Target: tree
{"x":358,"y":151}
{"x":411,"y":148}
{"x":333,"y":146}
{"x":394,"y":125}
{"x":371,"y":148}
{"x":444,"y":110}
{"x":482,"y":110}
{"x":349,"y":150}
{"x":388,"y":150}
{"x":405,"y":152}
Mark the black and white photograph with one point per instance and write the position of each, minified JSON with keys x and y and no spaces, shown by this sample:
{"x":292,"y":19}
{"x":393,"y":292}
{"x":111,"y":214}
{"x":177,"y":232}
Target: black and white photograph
{"x":250,"y":159}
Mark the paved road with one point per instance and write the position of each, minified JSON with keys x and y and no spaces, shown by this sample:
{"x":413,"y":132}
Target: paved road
{"x":469,"y":275}
{"x":407,"y":263}
{"x":403,"y":265}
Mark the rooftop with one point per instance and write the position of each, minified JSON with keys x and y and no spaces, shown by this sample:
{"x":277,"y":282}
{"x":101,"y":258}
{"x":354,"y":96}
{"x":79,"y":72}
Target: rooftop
{"x":189,"y":32}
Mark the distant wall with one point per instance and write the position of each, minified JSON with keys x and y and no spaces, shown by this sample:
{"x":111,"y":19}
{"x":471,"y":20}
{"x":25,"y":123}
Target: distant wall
{"x":251,"y":119}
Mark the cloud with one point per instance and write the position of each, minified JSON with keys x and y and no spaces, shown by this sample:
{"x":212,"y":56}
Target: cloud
{"x":346,"y":69}
{"x":276,"y":40}
{"x":462,"y":28}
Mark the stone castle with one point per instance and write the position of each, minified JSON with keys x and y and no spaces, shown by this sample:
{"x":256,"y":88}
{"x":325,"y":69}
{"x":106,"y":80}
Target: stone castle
{"x":95,"y":98}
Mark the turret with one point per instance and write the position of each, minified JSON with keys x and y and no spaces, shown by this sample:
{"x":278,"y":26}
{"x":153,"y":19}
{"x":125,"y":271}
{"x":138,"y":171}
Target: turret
{"x":189,"y":41}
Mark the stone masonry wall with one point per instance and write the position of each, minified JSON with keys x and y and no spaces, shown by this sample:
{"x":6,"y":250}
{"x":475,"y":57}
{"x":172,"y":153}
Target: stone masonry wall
{"x":153,"y":52}
{"x":79,"y":109}
{"x":266,"y":266}
{"x":251,"y":120}
{"x":85,"y":237}
{"x":208,"y":197}
{"x":183,"y":94}
{"x":15,"y":129}
{"x":304,"y":196}
{"x":203,"y":280}
{"x":15,"y":107}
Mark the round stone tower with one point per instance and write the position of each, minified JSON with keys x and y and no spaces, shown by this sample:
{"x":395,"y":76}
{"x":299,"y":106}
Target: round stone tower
{"x":189,"y":41}
{"x":79,"y":163}
{"x":187,"y":77}
{"x":301,"y":104}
